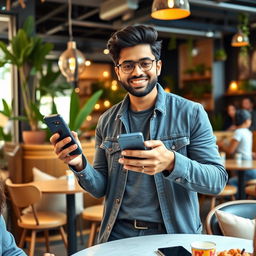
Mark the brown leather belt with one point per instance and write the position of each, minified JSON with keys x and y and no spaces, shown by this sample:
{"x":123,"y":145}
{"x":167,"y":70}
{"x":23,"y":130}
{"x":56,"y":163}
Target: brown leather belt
{"x":139,"y":224}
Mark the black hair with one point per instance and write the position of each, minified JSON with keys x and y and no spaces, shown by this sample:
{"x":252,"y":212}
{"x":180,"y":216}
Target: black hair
{"x":132,"y":36}
{"x":241,"y":116}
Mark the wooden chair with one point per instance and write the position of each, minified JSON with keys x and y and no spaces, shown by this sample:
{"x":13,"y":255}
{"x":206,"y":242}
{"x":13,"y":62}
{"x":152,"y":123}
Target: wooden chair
{"x":250,"y":189}
{"x":27,"y":195}
{"x":93,"y":214}
{"x":228,"y":191}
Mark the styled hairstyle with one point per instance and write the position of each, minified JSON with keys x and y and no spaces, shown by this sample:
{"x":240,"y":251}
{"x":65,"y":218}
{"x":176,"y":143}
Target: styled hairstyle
{"x":132,"y":36}
{"x":241,"y":116}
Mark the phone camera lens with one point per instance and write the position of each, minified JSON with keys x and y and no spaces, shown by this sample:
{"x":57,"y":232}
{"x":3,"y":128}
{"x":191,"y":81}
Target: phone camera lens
{"x":56,"y":122}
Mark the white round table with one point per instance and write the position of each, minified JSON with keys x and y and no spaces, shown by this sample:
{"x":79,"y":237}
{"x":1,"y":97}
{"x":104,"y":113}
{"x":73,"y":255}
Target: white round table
{"x":147,"y":245}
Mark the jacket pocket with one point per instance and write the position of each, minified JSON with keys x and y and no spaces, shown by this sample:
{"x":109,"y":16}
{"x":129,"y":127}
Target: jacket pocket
{"x":177,"y":144}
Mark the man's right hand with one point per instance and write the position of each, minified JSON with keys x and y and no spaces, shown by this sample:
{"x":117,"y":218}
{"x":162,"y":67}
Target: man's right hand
{"x":63,"y":154}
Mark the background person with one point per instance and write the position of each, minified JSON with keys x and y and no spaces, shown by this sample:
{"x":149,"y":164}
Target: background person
{"x":241,"y":143}
{"x":248,"y":105}
{"x":8,"y":245}
{"x":156,"y":193}
{"x":229,"y":120}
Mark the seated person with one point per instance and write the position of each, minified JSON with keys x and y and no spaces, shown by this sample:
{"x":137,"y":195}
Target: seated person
{"x":8,"y":246}
{"x":229,"y":120}
{"x":241,"y":143}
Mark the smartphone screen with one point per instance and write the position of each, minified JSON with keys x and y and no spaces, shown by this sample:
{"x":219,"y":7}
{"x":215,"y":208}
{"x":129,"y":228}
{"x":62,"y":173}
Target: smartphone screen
{"x":173,"y":251}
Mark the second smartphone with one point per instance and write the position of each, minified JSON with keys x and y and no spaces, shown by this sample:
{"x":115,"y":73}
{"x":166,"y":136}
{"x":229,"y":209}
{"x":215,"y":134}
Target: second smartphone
{"x":56,"y":124}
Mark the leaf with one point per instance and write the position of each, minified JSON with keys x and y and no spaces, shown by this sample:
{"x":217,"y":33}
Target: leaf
{"x":29,"y":25}
{"x":7,"y":110}
{"x":74,"y":109}
{"x":36,"y":112}
{"x":86,"y":109}
{"x":9,"y":57}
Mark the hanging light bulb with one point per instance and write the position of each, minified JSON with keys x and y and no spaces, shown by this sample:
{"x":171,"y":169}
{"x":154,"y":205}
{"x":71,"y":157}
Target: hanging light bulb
{"x":170,"y":9}
{"x":71,"y":61}
{"x":240,"y":39}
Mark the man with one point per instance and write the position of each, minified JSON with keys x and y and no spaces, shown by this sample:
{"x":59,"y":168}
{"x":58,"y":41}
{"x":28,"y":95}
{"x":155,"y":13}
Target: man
{"x":158,"y":192}
{"x":247,"y":104}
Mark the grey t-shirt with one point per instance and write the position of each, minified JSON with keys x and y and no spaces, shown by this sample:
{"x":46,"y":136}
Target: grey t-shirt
{"x":140,"y":199}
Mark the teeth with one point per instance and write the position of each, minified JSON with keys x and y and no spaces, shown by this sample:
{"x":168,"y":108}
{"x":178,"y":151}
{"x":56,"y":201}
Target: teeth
{"x":138,"y":81}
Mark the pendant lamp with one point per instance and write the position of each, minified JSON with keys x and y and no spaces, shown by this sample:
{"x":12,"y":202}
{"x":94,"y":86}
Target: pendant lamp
{"x":71,"y":61}
{"x":240,"y":39}
{"x":170,"y":9}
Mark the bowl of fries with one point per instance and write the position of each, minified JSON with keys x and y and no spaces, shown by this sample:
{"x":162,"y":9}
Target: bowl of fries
{"x":234,"y":252}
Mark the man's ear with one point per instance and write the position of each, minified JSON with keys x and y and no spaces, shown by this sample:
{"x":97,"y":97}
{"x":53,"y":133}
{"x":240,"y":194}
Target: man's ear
{"x":117,"y":73}
{"x":158,"y":67}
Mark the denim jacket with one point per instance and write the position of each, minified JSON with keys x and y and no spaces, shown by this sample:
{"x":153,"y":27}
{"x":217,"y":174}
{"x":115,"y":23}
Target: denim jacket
{"x":8,"y":245}
{"x":183,"y":126}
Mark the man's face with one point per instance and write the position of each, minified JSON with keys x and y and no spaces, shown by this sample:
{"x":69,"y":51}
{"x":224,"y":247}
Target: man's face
{"x":139,"y":83}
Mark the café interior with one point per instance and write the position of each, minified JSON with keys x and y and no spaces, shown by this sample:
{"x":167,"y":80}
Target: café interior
{"x":54,"y":59}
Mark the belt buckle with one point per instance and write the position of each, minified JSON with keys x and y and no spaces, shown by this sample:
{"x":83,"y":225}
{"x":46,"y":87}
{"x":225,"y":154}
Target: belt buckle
{"x":139,"y":227}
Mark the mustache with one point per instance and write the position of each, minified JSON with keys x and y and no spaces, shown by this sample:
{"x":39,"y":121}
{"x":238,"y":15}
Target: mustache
{"x":137,"y":77}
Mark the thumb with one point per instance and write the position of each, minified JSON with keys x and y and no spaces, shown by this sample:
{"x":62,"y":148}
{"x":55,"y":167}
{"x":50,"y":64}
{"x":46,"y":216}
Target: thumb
{"x":153,"y":143}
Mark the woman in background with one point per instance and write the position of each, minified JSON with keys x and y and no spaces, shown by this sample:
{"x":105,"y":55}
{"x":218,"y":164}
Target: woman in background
{"x":229,"y":122}
{"x":8,"y":245}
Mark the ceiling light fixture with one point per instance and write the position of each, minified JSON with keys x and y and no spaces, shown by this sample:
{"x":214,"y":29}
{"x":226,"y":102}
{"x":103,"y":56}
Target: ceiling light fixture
{"x":71,"y":61}
{"x":240,"y":39}
{"x":170,"y":9}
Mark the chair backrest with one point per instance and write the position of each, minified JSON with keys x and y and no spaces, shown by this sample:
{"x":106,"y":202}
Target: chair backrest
{"x":23,"y":195}
{"x":242,"y":208}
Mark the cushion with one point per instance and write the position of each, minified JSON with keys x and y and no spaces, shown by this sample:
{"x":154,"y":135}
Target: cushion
{"x":236,"y":226}
{"x":55,"y":202}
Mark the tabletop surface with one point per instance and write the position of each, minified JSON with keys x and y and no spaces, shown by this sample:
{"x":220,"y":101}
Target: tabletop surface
{"x":147,"y":245}
{"x":232,"y":164}
{"x":58,"y":186}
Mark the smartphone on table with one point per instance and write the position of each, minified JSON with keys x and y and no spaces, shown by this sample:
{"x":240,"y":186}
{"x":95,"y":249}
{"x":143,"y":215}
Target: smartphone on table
{"x":173,"y":251}
{"x":56,"y":124}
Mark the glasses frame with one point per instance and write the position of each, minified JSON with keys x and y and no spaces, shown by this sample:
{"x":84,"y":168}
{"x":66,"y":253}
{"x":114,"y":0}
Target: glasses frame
{"x":136,"y":62}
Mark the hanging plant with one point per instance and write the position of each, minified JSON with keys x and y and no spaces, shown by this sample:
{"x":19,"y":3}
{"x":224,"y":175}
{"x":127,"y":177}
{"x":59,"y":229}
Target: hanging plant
{"x":243,"y":26}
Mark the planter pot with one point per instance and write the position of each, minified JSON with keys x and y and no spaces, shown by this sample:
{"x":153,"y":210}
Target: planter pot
{"x":34,"y":137}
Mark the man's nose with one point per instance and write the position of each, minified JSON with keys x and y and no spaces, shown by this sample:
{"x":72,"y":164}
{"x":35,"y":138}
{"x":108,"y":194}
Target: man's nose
{"x":137,"y":69}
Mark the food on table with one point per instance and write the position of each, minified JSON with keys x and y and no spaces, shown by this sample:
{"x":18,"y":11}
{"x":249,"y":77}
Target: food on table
{"x":233,"y":252}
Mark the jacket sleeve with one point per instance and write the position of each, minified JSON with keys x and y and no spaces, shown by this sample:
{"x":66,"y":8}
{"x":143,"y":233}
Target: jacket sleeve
{"x":9,"y":247}
{"x":201,"y":170}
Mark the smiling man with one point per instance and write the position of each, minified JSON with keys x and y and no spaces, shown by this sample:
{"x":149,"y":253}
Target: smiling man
{"x":156,"y":192}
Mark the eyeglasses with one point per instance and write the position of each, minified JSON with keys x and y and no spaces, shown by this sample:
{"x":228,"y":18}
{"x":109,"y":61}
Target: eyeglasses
{"x":128,"y":66}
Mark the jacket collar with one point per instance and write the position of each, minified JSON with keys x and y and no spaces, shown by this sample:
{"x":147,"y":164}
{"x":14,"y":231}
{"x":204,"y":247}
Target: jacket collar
{"x":159,"y":106}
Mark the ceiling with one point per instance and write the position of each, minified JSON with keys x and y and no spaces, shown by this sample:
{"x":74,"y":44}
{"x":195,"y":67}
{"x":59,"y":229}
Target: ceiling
{"x":93,"y":21}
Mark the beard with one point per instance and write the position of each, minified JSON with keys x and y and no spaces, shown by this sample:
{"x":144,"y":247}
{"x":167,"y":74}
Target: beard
{"x":151,"y":85}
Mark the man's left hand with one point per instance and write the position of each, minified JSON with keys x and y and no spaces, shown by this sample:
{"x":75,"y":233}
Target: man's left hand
{"x":154,"y":160}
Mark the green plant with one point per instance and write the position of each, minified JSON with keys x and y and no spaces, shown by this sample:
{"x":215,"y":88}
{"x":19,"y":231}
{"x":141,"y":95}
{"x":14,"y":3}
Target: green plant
{"x":243,"y":26}
{"x":28,"y":53}
{"x":220,"y":55}
{"x":200,"y":69}
{"x":51,"y":84}
{"x":217,"y":122}
{"x":7,"y":111}
{"x":77,"y":114}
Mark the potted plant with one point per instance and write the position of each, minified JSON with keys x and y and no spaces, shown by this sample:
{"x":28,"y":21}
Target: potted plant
{"x":28,"y":53}
{"x":220,"y":55}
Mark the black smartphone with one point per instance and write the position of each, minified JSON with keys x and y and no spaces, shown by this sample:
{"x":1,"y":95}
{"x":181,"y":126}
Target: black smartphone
{"x":56,"y":124}
{"x":131,"y":141}
{"x":173,"y":251}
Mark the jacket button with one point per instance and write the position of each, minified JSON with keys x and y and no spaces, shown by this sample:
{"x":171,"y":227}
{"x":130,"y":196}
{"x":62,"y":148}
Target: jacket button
{"x":117,"y":200}
{"x":173,"y":146}
{"x":108,"y":227}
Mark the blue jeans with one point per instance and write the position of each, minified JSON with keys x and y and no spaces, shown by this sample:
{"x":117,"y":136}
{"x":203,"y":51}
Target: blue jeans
{"x":123,"y":229}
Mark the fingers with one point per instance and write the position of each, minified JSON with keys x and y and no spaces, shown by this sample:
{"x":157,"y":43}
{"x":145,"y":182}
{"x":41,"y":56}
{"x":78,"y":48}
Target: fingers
{"x":153,"y":143}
